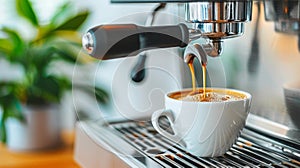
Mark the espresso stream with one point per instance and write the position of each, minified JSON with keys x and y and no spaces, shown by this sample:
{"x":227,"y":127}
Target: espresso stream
{"x":192,"y":69}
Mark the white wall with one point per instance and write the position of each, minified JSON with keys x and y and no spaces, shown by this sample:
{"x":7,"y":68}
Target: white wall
{"x":103,"y":12}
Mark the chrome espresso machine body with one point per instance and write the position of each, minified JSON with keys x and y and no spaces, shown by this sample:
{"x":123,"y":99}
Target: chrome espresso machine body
{"x":247,"y":45}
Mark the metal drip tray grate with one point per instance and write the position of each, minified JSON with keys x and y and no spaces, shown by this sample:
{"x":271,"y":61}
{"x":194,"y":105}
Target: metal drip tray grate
{"x":252,"y":149}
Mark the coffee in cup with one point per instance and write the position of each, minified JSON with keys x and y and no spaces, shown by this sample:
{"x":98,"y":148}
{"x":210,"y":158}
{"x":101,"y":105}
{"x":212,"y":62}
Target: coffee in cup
{"x":204,"y":127}
{"x":207,"y":95}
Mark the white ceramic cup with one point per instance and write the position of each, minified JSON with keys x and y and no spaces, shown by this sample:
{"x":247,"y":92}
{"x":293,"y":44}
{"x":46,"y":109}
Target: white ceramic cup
{"x":291,"y":92}
{"x":204,"y":129}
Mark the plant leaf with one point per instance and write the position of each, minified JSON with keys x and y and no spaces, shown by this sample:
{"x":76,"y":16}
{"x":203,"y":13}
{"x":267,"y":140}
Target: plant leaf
{"x":74,"y":23}
{"x":65,"y":54}
{"x":5,"y":46}
{"x":11,"y":108}
{"x":68,"y":35}
{"x":25,"y":10}
{"x":2,"y":127}
{"x":60,"y":14}
{"x":15,"y":110}
{"x":17,"y":45}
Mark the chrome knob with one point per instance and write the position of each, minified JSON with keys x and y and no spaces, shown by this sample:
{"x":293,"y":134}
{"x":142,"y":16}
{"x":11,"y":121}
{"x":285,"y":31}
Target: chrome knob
{"x":88,"y":43}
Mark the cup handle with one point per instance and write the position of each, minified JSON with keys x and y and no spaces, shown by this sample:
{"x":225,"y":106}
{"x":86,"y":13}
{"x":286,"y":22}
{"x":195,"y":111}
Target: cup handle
{"x":167,"y":113}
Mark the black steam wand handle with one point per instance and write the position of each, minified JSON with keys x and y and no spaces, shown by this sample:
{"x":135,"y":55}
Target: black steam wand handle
{"x":122,"y":40}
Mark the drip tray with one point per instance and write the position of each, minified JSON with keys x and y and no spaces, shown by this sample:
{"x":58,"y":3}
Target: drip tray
{"x":137,"y":144}
{"x":252,"y":149}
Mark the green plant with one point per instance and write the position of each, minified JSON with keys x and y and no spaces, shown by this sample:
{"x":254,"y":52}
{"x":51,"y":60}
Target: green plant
{"x":58,"y":40}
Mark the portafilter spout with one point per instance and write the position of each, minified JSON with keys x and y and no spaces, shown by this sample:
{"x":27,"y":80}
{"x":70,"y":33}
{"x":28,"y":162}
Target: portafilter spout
{"x":195,"y":51}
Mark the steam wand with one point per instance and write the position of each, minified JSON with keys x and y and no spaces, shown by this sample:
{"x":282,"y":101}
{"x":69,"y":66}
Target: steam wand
{"x":138,"y":72}
{"x":253,"y":60}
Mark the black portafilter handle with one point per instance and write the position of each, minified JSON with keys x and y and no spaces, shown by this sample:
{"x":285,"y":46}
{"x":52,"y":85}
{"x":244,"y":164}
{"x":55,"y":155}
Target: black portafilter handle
{"x":122,"y":40}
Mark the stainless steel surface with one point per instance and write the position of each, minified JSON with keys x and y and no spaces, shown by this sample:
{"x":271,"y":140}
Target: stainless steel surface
{"x":219,"y":20}
{"x":285,"y":15}
{"x":111,"y":142}
{"x":216,"y":49}
{"x":218,"y":31}
{"x":218,"y":11}
{"x":273,"y":127}
{"x":137,"y":143}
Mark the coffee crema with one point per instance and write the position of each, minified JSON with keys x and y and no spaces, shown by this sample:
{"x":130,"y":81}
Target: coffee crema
{"x":210,"y":95}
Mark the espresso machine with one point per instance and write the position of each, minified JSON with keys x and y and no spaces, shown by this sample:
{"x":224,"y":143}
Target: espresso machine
{"x":247,"y":45}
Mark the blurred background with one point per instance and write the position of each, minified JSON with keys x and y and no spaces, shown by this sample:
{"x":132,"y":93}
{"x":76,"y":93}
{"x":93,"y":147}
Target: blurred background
{"x":101,"y":12}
